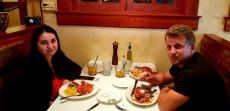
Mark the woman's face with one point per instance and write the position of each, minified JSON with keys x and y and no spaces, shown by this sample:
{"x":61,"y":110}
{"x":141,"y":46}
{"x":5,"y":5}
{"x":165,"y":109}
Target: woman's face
{"x":47,"y":44}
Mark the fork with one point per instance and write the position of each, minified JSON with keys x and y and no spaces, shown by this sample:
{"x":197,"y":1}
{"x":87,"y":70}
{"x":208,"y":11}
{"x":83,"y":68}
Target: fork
{"x":120,"y":108}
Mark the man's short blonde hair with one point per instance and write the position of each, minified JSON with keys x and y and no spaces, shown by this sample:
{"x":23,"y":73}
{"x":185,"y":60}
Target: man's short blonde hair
{"x":181,"y":30}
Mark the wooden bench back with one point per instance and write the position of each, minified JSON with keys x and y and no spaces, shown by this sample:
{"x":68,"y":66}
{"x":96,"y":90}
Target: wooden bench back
{"x":12,"y":47}
{"x":217,"y":51}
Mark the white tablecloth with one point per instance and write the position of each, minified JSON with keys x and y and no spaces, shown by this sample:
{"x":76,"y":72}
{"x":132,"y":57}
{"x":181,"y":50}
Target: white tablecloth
{"x":105,"y":84}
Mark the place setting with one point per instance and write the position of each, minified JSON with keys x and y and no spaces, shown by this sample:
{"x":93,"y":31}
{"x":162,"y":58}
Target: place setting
{"x":78,"y":89}
{"x":141,"y":95}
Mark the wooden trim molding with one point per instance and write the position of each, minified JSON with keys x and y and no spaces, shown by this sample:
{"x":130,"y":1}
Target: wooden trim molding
{"x":12,"y":37}
{"x":125,"y":20}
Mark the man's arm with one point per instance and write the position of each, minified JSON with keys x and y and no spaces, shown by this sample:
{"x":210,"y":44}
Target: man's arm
{"x":170,"y":100}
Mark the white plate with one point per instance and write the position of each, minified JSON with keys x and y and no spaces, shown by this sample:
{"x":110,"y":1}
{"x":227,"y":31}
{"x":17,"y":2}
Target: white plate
{"x":121,"y":82}
{"x":109,"y":97}
{"x":154,"y":98}
{"x":95,"y":89}
{"x":137,"y":77}
{"x":150,"y":65}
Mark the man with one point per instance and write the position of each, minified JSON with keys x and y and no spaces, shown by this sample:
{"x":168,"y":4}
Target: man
{"x":197,"y":85}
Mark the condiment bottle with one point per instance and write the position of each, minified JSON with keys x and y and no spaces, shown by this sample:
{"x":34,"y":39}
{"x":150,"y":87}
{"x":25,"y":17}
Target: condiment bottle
{"x":115,"y":57}
{"x":129,"y":59}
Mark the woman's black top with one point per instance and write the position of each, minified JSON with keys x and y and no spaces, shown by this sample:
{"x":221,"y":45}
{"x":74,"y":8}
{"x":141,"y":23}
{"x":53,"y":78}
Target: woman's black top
{"x":32,"y":88}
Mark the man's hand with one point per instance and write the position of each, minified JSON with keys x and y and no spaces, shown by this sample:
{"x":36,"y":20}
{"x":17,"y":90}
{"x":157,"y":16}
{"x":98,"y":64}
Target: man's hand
{"x":151,"y":79}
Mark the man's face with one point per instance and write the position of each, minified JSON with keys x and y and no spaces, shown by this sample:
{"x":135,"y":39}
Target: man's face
{"x":178,"y":50}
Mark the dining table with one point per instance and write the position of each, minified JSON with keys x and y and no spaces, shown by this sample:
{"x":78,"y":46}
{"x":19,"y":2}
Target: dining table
{"x":104,"y":83}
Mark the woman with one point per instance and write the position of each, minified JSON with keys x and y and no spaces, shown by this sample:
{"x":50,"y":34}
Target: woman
{"x":44,"y":71}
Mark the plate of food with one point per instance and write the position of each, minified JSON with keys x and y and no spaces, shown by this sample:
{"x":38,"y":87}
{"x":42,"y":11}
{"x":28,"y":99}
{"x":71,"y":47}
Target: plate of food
{"x":78,"y":89}
{"x":109,"y":96}
{"x":142,"y":96}
{"x":137,"y":70}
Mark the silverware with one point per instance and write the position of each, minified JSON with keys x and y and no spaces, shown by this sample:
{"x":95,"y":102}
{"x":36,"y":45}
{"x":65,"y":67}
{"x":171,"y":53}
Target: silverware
{"x":69,"y":96}
{"x":86,"y":77}
{"x":120,"y":108}
{"x":93,"y":106}
{"x":134,"y":87}
{"x":152,"y":93}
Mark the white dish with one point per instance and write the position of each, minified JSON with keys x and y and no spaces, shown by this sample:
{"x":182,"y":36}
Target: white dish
{"x":154,"y":98}
{"x":95,"y":89}
{"x":150,"y":65}
{"x":109,"y":97}
{"x":121,"y":82}
{"x":135,"y":77}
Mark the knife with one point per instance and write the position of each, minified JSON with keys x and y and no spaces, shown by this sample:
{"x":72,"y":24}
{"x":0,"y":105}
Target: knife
{"x":85,"y":77}
{"x":69,"y":96}
{"x":152,"y":93}
{"x":134,"y":86}
{"x":93,"y":106}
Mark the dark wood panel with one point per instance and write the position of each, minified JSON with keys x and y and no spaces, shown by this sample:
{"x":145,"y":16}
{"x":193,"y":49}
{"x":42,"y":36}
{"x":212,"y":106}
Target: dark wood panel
{"x":191,"y":7}
{"x":227,"y":21}
{"x":227,"y":24}
{"x":22,"y":8}
{"x":14,"y":46}
{"x":125,"y":13}
{"x":64,"y":5}
{"x":217,"y":51}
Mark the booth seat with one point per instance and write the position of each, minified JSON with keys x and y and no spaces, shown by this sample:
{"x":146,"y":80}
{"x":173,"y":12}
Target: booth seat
{"x":12,"y":47}
{"x":217,"y":51}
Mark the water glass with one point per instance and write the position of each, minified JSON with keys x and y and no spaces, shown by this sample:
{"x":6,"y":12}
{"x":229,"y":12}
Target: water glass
{"x":106,"y":67}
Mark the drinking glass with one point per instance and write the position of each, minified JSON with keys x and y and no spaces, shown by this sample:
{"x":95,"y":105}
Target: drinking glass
{"x":120,"y":71}
{"x":106,"y":67}
{"x":92,"y":69}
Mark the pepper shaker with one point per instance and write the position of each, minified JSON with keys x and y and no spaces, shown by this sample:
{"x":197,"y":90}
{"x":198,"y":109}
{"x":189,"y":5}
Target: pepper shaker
{"x":115,"y":57}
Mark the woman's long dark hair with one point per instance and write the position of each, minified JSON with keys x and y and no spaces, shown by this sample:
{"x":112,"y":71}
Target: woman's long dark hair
{"x":58,"y":58}
{"x":62,"y":66}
